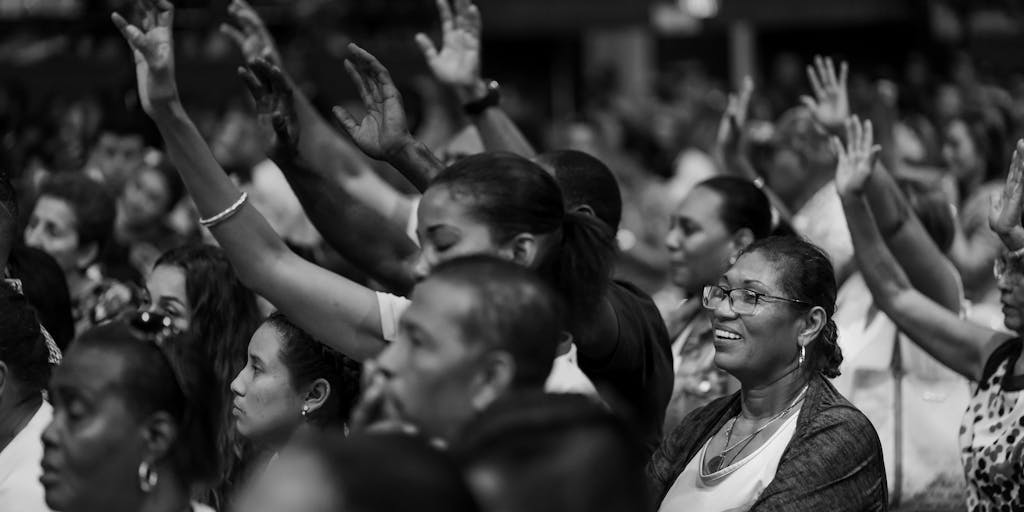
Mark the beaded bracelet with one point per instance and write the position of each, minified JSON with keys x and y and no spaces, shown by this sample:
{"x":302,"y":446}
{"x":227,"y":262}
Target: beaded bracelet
{"x":226,"y":214}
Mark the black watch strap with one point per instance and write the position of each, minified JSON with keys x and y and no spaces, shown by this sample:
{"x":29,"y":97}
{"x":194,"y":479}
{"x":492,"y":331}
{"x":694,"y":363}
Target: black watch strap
{"x":491,"y":99}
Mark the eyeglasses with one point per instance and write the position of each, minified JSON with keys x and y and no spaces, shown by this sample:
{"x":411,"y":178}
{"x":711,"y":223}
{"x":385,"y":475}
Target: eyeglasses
{"x":741,"y":300}
{"x":157,"y":329}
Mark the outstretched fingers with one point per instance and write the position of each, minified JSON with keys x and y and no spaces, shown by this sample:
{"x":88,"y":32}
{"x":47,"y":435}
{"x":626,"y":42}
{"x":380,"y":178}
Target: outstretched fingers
{"x":361,"y":83}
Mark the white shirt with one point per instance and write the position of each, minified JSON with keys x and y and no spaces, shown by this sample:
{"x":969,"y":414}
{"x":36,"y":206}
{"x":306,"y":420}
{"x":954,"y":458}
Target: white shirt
{"x":20,"y":489}
{"x":565,"y":377}
{"x":734,"y":488}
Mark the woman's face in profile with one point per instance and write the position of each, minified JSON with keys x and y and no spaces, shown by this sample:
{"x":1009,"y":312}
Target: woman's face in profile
{"x":94,"y":444}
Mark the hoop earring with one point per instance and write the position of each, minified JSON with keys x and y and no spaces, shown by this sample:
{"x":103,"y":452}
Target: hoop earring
{"x":147,"y":477}
{"x":802,"y":356}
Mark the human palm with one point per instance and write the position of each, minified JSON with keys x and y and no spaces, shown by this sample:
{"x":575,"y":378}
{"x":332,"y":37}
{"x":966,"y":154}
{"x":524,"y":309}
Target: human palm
{"x":1005,"y":214}
{"x":831,"y":103}
{"x":857,"y":159}
{"x":383,"y":129}
{"x":458,"y":61}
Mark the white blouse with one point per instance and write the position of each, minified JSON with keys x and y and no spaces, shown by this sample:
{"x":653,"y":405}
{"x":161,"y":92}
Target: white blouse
{"x":734,"y":488}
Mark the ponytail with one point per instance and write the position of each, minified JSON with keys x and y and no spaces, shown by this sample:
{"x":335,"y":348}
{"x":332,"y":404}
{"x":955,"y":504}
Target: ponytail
{"x":579,"y":266}
{"x":826,"y":354}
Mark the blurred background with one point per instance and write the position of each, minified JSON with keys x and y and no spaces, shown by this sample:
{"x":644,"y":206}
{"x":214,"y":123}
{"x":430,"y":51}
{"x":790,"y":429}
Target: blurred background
{"x":640,"y":83}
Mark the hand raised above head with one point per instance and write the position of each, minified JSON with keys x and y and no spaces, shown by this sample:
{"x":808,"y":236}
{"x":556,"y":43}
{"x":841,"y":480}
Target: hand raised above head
{"x":730,"y":129}
{"x":383,"y":130}
{"x":251,"y":36}
{"x":857,"y":159}
{"x":831,"y":103}
{"x":275,"y":105}
{"x":457,"y":63}
{"x":1005,"y":214}
{"x":152,"y":44}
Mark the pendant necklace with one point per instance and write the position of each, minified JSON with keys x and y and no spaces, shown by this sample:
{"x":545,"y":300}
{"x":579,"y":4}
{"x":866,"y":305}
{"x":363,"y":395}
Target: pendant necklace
{"x":716,"y":463}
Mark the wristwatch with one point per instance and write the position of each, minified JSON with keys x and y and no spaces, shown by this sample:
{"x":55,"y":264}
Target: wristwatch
{"x":492,"y":98}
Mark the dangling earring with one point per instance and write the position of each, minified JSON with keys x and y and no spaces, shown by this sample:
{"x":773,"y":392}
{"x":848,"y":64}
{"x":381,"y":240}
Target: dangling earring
{"x":147,"y":477}
{"x":801,"y":361}
{"x":305,"y":411}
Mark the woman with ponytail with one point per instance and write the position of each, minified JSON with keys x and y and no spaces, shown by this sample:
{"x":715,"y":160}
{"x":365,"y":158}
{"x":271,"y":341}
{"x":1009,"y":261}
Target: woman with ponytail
{"x":495,"y":204}
{"x":787,"y":440}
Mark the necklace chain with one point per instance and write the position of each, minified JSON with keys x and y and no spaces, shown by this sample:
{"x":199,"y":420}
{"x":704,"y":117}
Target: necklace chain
{"x":746,"y":440}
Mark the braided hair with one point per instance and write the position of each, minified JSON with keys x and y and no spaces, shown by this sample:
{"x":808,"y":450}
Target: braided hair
{"x":807,"y":275}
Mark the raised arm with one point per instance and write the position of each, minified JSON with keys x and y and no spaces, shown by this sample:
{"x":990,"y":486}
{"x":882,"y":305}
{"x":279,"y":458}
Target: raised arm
{"x":335,"y":310}
{"x":357,"y":232}
{"x":457,"y":64}
{"x":326,"y":152}
{"x":962,"y":346}
{"x":731,"y":147}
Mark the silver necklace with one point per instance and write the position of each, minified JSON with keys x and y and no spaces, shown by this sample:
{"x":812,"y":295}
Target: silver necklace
{"x":718,"y":461}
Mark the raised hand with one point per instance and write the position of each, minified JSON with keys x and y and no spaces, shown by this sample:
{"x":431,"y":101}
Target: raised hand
{"x":383,"y":131}
{"x":730,"y":129}
{"x":1005,"y":215}
{"x":152,"y":45}
{"x":458,"y":62}
{"x":253,"y":38}
{"x":831,"y":103}
{"x":274,"y":103}
{"x":857,"y":159}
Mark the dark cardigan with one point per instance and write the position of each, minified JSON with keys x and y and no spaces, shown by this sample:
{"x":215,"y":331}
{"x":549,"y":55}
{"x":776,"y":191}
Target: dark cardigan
{"x":833,"y":463}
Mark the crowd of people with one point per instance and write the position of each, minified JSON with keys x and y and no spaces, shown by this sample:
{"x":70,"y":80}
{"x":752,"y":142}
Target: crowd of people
{"x":321,"y":311}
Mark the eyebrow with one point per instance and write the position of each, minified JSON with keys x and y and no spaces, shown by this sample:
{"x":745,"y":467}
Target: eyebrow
{"x":170,"y":298}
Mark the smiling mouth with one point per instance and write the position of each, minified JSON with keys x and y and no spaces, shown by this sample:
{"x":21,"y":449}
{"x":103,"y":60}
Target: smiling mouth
{"x":725,"y":335}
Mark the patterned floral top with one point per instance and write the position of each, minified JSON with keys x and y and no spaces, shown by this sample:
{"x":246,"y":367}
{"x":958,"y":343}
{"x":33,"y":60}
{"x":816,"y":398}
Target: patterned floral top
{"x":992,"y":448}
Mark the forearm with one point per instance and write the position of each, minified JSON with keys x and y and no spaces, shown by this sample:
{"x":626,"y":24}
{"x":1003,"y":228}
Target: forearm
{"x":210,"y":187}
{"x":939,"y":331}
{"x":500,"y":133}
{"x":927,"y":268}
{"x":417,"y":163}
{"x":360,"y":234}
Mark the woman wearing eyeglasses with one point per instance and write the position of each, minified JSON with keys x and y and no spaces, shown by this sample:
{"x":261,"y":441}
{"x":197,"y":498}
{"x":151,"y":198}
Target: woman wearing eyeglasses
{"x":787,"y":440}
{"x":133,"y":428}
{"x":710,"y":227}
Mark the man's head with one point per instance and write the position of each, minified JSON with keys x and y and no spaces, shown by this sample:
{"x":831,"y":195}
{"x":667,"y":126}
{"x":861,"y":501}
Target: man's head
{"x":587,"y":184}
{"x":477,"y":327}
{"x":118,"y":150}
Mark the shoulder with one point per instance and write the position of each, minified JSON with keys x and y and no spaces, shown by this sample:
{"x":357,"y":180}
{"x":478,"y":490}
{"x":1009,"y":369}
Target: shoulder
{"x":1007,"y":350}
{"x":829,"y":417}
{"x":635,"y":309}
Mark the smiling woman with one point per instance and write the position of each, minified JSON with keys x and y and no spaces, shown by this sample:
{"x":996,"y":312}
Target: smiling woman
{"x":787,"y":438}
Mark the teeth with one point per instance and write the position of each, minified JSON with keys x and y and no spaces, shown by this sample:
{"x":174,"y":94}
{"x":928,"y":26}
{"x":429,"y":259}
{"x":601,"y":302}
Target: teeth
{"x":719,"y":333}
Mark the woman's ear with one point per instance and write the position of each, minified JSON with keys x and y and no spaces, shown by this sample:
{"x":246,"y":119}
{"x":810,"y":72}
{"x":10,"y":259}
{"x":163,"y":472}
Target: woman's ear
{"x":814,"y":322}
{"x":159,"y":433}
{"x":316,"y":396}
{"x":522,"y":249}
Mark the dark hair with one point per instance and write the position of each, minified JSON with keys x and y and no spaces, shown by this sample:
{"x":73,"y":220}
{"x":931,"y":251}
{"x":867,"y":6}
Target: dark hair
{"x":22,"y":346}
{"x":987,"y":131}
{"x":388,"y":472}
{"x":806,"y":274}
{"x":8,"y":217}
{"x":308,"y":360}
{"x":932,"y":207}
{"x":513,"y":310}
{"x":92,"y":203}
{"x":513,"y":196}
{"x":585,"y":180}
{"x":743,"y":205}
{"x":170,"y":378}
{"x":556,"y":452}
{"x":45,"y":287}
{"x":224,"y":317}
